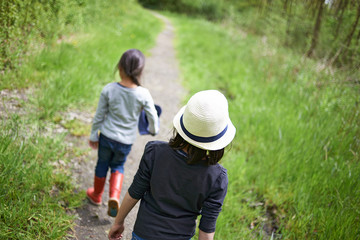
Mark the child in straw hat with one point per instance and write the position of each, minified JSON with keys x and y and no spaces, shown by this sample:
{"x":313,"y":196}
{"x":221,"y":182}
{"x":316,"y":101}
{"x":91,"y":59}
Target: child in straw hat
{"x":181,"y":179}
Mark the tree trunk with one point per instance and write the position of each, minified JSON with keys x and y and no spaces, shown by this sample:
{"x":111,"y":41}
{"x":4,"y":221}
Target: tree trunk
{"x":316,"y":31}
{"x":356,"y":53}
{"x":351,"y":34}
{"x":285,"y":6}
{"x":358,"y":37}
{"x":343,"y":50}
{"x":353,"y":29}
{"x":288,"y":24}
{"x":341,"y":8}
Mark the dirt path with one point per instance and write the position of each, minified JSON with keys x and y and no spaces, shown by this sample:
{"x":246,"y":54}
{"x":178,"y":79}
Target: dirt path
{"x":161,"y":78}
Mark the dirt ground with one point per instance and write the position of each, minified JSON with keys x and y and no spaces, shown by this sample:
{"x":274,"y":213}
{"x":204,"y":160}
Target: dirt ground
{"x":161,"y":77}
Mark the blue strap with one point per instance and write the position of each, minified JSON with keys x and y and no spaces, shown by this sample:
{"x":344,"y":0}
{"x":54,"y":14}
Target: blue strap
{"x":201,"y":139}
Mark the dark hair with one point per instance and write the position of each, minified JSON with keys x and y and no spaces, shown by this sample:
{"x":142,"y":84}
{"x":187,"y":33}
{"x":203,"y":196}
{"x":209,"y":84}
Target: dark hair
{"x":132,"y":62}
{"x":195,"y":154}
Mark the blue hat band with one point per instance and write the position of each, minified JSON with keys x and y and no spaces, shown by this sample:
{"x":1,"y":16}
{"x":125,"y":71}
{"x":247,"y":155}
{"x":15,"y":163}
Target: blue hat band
{"x":201,"y":139}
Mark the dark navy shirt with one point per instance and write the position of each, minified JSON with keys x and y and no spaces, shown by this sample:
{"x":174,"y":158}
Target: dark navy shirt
{"x":173,"y":193}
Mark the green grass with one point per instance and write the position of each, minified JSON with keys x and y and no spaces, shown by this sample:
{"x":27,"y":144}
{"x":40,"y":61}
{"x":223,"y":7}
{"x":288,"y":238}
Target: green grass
{"x":74,"y":71}
{"x":69,"y":73}
{"x":296,"y":152}
{"x":295,"y":156}
{"x":34,"y":197}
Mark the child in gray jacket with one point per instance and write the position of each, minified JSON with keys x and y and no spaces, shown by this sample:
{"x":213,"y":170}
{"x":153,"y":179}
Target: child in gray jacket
{"x":116,"y":119}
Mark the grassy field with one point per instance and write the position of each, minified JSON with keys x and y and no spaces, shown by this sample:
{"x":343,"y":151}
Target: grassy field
{"x":36,"y":193}
{"x":81,"y":63}
{"x":294,"y":164}
{"x":293,"y":167}
{"x":34,"y":197}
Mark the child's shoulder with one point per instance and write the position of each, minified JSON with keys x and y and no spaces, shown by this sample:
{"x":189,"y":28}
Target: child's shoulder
{"x":142,"y":90}
{"x":222,"y":173}
{"x":153,"y":144}
{"x":219,"y":169}
{"x":109,"y":86}
{"x":115,"y":86}
{"x":112,"y":84}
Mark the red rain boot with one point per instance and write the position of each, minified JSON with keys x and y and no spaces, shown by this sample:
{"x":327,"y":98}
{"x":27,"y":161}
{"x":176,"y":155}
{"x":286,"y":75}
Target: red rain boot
{"x":94,"y":193}
{"x":116,"y":180}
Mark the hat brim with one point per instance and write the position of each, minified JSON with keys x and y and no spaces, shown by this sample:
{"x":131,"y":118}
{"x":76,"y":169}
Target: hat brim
{"x":215,"y":145}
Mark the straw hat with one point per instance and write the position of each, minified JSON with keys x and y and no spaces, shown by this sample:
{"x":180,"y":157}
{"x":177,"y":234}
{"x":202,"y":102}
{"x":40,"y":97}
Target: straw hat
{"x":204,"y":122}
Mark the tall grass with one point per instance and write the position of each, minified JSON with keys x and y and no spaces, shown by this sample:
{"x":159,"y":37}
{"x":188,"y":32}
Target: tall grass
{"x":294,"y":164}
{"x":34,"y":197}
{"x":69,"y":73}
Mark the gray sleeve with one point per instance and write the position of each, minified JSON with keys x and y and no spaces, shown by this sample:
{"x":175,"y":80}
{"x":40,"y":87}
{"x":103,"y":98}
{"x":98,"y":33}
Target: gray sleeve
{"x":101,"y":111}
{"x":141,"y":182}
{"x":212,"y":205}
{"x":151,"y":114}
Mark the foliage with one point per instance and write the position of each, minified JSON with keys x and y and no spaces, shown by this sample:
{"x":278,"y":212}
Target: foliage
{"x":33,"y":197}
{"x":293,"y":22}
{"x":294,"y":164}
{"x":211,"y":9}
{"x":333,"y":37}
{"x":31,"y":24}
{"x":68,"y":71}
{"x":89,"y":57}
{"x":77,"y":128}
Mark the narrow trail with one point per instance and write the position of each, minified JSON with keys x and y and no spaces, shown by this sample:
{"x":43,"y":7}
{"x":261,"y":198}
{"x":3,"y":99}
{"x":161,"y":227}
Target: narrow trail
{"x":161,"y":78}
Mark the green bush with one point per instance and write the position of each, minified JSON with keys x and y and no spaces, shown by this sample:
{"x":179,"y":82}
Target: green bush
{"x":287,"y":23}
{"x":29,"y":25}
{"x":210,"y":9}
{"x":291,"y":23}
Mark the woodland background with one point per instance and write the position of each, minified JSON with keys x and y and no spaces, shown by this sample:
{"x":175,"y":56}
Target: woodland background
{"x":290,"y":70}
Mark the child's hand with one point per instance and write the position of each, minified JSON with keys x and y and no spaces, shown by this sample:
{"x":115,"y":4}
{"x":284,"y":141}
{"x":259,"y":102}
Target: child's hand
{"x":93,"y":145}
{"x":116,"y":231}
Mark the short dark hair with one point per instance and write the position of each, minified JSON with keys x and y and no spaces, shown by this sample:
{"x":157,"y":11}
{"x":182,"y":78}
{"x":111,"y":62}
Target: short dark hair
{"x":132,"y":62}
{"x":195,"y":154}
